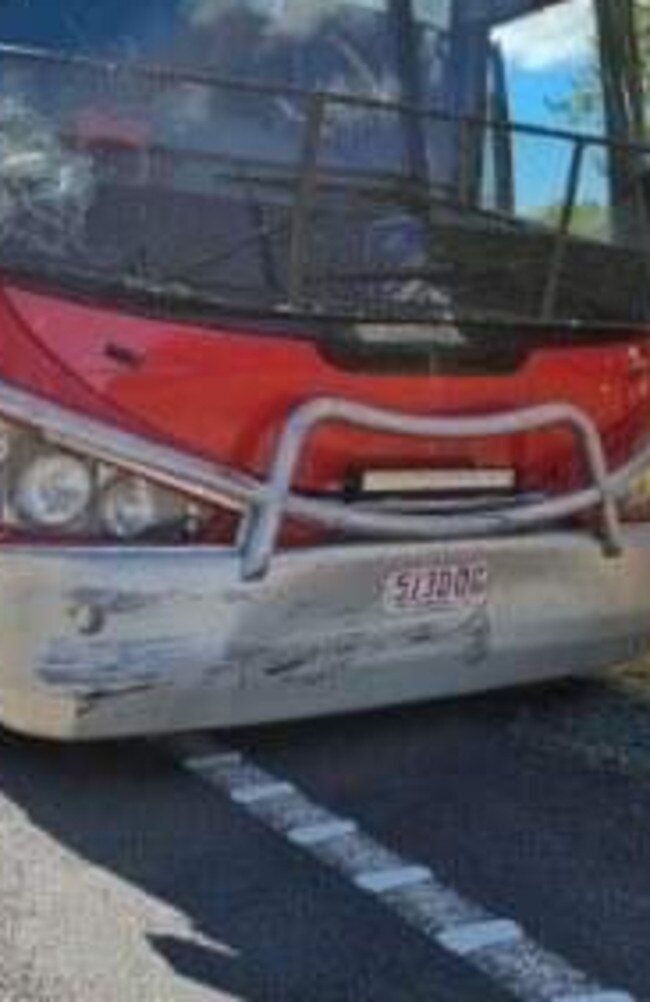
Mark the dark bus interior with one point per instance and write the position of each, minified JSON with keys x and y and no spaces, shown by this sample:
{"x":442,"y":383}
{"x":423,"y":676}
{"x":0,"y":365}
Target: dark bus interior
{"x":352,"y":160}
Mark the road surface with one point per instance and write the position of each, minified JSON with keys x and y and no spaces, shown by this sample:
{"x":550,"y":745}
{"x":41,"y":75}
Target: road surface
{"x":472,"y":851}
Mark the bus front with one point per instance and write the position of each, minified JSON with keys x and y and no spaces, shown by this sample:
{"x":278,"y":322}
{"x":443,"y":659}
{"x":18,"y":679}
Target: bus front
{"x":324,"y":363}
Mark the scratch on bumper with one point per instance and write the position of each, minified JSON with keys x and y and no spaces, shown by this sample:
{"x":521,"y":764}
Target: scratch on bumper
{"x":135,"y":654}
{"x":117,"y":664}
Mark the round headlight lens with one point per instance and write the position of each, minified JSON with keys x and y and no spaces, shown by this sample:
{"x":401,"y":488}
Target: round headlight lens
{"x":54,"y":490}
{"x":131,"y":506}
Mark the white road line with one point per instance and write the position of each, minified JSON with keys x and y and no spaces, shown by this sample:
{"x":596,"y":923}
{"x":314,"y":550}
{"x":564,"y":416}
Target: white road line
{"x":596,"y":997}
{"x":206,"y":763}
{"x":466,"y":939}
{"x":494,"y":945}
{"x":383,"y":881}
{"x":311,"y":835}
{"x":255,"y":793}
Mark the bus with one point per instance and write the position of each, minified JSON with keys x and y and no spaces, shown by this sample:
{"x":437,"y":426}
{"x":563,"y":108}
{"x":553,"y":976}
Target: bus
{"x":324,"y":355}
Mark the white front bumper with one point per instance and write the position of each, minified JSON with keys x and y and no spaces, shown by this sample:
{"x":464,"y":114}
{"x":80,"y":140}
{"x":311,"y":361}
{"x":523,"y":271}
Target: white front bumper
{"x":110,"y":642}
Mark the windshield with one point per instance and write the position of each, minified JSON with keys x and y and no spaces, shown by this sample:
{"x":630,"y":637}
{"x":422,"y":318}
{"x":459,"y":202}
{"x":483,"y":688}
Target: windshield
{"x":435,"y":160}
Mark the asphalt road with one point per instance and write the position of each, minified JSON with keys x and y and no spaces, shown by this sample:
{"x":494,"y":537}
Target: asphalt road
{"x":125,"y":876}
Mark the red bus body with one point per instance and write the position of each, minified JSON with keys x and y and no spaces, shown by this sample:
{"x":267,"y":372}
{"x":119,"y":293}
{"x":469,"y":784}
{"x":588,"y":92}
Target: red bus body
{"x":287,"y":591}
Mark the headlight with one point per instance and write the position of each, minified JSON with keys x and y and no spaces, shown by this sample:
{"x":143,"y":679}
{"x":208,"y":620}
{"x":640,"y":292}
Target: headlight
{"x":46,"y":487}
{"x":53,"y":490}
{"x":131,"y":506}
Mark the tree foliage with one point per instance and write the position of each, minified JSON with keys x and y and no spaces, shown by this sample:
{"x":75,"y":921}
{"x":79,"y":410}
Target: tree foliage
{"x":583,"y":107}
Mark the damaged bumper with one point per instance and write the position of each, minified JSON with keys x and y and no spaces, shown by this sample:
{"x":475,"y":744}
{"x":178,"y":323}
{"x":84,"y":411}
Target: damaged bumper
{"x":114,"y":642}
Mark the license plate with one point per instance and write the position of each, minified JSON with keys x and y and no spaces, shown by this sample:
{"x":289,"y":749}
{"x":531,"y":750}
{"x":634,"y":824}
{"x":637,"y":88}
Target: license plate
{"x":440,"y":586}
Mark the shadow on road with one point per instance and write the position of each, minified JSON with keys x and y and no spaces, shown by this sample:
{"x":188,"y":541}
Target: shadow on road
{"x":271,"y":925}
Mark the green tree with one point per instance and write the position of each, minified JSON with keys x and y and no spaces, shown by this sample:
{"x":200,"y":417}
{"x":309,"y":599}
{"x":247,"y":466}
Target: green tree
{"x":627,"y":76}
{"x":588,"y":220}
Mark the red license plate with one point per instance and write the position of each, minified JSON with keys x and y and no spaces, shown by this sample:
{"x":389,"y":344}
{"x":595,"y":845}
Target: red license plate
{"x":439,"y":586}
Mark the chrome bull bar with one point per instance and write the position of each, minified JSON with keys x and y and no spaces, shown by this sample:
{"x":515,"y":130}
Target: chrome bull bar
{"x":260,"y":539}
{"x":264,"y":503}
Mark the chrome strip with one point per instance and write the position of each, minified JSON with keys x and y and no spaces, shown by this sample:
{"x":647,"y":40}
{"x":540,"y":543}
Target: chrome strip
{"x":203,"y":479}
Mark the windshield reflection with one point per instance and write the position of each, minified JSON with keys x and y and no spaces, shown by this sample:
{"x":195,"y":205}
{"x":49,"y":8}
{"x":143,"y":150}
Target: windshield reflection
{"x":407,"y":193}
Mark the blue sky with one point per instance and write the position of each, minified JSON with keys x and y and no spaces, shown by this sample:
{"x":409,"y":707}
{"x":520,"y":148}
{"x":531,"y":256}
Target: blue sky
{"x":545,"y":54}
